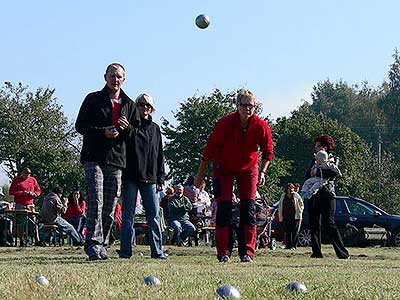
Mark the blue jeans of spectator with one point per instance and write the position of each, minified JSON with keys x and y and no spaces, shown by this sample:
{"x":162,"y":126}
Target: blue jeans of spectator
{"x":78,"y":223}
{"x":151,"y":205}
{"x":77,"y":239}
{"x":182,"y":230}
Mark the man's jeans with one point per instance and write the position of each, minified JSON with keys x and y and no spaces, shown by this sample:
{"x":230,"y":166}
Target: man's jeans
{"x":151,"y":205}
{"x":182,"y":230}
{"x":69,"y":230}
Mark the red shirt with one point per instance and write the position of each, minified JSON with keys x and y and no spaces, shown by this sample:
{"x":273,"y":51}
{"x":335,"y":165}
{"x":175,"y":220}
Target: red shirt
{"x":234,"y":150}
{"x":116,"y":110}
{"x":75,"y":210}
{"x":29,"y":184}
{"x":118,"y":215}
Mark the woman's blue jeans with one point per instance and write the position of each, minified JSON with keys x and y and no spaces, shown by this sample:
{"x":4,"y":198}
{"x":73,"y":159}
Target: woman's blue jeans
{"x":151,"y":204}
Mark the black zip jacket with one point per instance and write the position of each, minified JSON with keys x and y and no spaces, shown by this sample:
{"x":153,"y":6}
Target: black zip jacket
{"x":94,"y":116}
{"x":145,"y":158}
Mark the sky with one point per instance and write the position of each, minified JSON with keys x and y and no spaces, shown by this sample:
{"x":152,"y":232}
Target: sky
{"x":278,"y":49}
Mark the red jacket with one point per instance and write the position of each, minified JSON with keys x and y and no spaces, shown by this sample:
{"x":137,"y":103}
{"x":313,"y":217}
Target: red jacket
{"x":236,"y":151}
{"x":30,"y":185}
{"x":75,"y":210}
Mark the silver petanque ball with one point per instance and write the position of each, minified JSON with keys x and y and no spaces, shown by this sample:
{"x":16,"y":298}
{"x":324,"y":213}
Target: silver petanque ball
{"x":202,"y":21}
{"x":227,"y":292}
{"x":151,"y":280}
{"x":296,"y":287}
{"x":42,"y":280}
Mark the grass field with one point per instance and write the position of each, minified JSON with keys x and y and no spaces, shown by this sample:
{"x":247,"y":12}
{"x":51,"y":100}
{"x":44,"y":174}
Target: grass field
{"x":194,"y":273}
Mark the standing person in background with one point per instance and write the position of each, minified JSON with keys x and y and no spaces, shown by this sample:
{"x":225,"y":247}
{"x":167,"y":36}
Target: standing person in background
{"x":76,"y":211}
{"x":25,"y":189}
{"x":106,"y":119}
{"x":203,"y":200}
{"x":233,"y":147}
{"x":145,"y":173}
{"x":164,"y":201}
{"x":192,"y":192}
{"x":291,"y":208}
{"x":322,"y":205}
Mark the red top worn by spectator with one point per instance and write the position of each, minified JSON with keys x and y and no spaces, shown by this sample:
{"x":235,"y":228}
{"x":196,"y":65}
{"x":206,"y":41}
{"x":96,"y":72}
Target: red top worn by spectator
{"x":234,"y":151}
{"x":118,"y":215}
{"x":75,"y":210}
{"x":25,"y":188}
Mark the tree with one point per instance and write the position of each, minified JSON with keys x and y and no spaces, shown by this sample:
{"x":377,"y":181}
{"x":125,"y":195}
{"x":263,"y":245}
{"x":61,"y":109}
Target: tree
{"x":35,"y":133}
{"x":390,"y":105}
{"x":354,"y":106}
{"x":196,"y":118}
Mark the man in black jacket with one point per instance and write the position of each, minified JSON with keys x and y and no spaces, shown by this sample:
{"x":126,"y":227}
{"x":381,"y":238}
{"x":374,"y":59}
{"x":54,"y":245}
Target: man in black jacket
{"x":106,"y":119}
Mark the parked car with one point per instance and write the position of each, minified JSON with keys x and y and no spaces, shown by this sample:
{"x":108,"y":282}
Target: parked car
{"x":353,"y":216}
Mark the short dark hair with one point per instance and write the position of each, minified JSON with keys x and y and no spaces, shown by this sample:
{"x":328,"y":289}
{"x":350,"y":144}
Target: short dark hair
{"x":114,"y":65}
{"x":58,"y":190}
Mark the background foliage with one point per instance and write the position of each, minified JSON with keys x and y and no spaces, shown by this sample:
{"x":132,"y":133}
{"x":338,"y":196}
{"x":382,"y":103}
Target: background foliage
{"x":364,"y":121}
{"x":35,"y":133}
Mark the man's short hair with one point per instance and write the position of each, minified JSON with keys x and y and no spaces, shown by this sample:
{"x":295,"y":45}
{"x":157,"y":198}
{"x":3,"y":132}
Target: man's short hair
{"x":58,"y":190}
{"x":114,"y":66}
{"x":245,"y":94}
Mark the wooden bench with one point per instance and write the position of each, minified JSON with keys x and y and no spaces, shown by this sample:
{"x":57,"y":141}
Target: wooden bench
{"x":51,"y":235}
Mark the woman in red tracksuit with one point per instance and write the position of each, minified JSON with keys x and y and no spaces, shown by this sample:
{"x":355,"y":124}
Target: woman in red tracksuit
{"x":233,"y":147}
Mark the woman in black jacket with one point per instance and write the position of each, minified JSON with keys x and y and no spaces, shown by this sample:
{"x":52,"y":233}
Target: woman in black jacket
{"x":322,"y":205}
{"x":145,"y":173}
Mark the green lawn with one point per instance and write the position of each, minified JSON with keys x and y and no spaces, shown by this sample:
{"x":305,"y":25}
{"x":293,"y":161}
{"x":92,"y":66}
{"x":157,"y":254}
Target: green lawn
{"x":194,"y":273}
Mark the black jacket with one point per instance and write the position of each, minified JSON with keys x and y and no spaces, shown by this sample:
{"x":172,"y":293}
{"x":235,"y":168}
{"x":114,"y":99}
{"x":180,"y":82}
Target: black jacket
{"x":94,"y":116}
{"x":145,"y":158}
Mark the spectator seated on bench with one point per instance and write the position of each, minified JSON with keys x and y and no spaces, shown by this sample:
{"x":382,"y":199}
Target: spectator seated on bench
{"x":179,"y":207}
{"x":52,"y":209}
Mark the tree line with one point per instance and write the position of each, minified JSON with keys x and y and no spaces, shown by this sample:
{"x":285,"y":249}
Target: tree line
{"x":364,"y":121}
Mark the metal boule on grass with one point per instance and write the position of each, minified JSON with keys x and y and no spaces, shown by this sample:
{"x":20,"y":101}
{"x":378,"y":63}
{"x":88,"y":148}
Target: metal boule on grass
{"x":151,"y":280}
{"x":227,"y":292}
{"x":42,"y":280}
{"x":296,"y":287}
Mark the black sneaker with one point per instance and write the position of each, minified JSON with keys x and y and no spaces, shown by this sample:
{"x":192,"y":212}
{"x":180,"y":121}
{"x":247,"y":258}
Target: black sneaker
{"x":316,"y":256}
{"x":103,"y":253}
{"x":246,"y":259}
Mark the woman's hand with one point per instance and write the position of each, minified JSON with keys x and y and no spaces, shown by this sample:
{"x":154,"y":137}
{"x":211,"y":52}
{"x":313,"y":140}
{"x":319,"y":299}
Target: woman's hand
{"x":261,"y":179}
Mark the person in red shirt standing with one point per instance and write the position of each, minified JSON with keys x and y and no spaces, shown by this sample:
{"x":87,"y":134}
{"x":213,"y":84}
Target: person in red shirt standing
{"x":25,"y":189}
{"x":233,"y":147}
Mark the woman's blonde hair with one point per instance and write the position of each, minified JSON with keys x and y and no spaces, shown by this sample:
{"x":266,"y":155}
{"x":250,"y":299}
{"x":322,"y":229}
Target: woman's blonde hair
{"x":245,"y":94}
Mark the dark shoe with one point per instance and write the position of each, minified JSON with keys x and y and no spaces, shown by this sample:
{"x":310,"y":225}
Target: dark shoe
{"x":246,"y":259}
{"x":121,"y":256}
{"x":160,"y":257}
{"x":224,"y":259}
{"x":103,"y":253}
{"x":94,"y":257}
{"x":40,"y":244}
{"x":316,"y":256}
{"x":93,"y":252}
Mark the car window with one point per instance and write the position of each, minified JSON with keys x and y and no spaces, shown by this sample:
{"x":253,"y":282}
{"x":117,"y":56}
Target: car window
{"x":357,"y":208}
{"x":341,"y":208}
